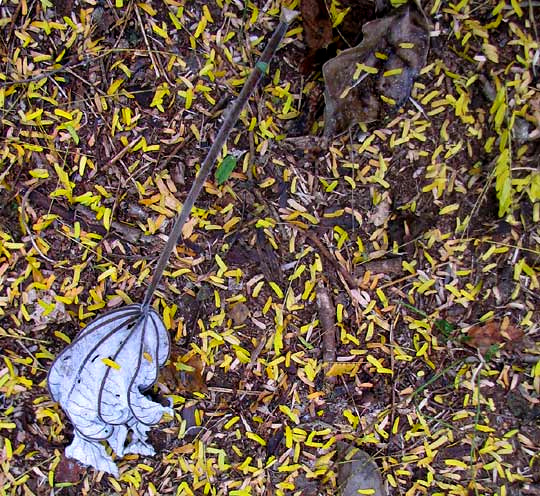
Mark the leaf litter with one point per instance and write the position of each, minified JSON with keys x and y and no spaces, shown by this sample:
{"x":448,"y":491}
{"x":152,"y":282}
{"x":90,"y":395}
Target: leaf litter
{"x":375,"y":78}
{"x":269,"y":422}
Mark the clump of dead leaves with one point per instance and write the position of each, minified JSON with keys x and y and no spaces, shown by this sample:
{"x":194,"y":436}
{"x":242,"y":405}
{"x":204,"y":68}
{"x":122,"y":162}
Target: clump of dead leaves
{"x":494,"y":332}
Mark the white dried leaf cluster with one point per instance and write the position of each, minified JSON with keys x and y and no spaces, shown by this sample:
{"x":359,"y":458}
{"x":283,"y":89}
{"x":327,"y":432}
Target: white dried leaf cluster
{"x":100,"y":379}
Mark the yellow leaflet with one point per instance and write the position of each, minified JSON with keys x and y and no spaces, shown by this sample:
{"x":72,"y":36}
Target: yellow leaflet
{"x":292,"y":414}
{"x":175,"y":21}
{"x":516,"y":7}
{"x":40,"y":173}
{"x":62,"y":336}
{"x":392,"y":72}
{"x":113,"y":88}
{"x":107,"y":218}
{"x":343,"y":368}
{"x":449,"y":209}
{"x":63,"y":113}
{"x":147,"y":8}
{"x":484,"y":428}
{"x":160,"y":31}
{"x":456,"y":463}
{"x":364,"y":68}
{"x":256,"y":438}
{"x":276,"y":289}
{"x":111,"y":363}
{"x":267,"y":182}
{"x":110,"y":272}
{"x":231,"y":422}
{"x":33,"y":115}
{"x":206,"y":14}
{"x":378,"y":365}
{"x":200,"y":27}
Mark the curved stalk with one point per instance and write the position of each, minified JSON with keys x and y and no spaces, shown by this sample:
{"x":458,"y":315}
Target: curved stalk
{"x":231,"y":116}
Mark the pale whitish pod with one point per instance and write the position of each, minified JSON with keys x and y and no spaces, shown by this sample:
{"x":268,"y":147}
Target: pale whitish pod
{"x":97,"y":394}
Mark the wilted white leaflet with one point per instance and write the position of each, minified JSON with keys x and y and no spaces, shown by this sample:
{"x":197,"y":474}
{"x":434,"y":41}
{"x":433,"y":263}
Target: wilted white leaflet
{"x":100,"y":379}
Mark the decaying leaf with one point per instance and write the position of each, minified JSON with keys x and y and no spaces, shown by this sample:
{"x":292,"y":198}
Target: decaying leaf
{"x":67,"y":470}
{"x":239,"y":313}
{"x":493,"y":332}
{"x":184,"y":375}
{"x":44,"y":308}
{"x":99,"y":380}
{"x":329,"y":26}
{"x":376,"y":77}
{"x":359,"y":474}
{"x":381,"y":213}
{"x":191,"y":378}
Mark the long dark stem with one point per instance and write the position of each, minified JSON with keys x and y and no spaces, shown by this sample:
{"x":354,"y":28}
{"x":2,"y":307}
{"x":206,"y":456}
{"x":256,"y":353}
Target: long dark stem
{"x":231,"y":116}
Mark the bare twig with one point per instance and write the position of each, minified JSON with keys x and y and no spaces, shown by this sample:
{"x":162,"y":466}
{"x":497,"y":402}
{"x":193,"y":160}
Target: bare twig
{"x":160,"y":73}
{"x":327,"y":314}
{"x":383,"y":266}
{"x":326,"y":254}
{"x":24,"y":222}
{"x":122,"y":152}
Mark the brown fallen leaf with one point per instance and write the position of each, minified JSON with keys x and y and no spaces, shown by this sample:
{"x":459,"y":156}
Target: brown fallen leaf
{"x":239,"y":313}
{"x":376,"y":77}
{"x":184,"y":376}
{"x":493,"y":332}
{"x":322,"y":39}
{"x":68,"y":470}
{"x":358,"y":473}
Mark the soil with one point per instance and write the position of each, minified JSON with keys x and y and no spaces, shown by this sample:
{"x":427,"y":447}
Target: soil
{"x":108,"y":111}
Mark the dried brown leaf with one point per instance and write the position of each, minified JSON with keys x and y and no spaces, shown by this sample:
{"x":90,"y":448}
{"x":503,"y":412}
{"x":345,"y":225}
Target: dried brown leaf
{"x":493,"y":332}
{"x":393,"y":50}
{"x":239,"y":313}
{"x":68,"y":470}
{"x":184,"y":376}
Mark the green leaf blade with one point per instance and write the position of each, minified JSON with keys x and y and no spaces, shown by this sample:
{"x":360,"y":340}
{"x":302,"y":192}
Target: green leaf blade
{"x":225,"y":169}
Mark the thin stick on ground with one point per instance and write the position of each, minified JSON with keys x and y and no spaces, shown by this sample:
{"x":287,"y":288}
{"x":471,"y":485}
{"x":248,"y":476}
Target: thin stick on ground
{"x":328,"y":256}
{"x":327,"y":314}
{"x":155,"y":62}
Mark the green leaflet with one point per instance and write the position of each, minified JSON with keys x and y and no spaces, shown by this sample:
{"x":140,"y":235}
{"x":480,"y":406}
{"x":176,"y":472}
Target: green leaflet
{"x":224,"y":170}
{"x":262,"y":66}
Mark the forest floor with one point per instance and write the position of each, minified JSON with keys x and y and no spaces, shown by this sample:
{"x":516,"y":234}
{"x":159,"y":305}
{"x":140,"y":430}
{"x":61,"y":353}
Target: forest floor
{"x":379,"y":288}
